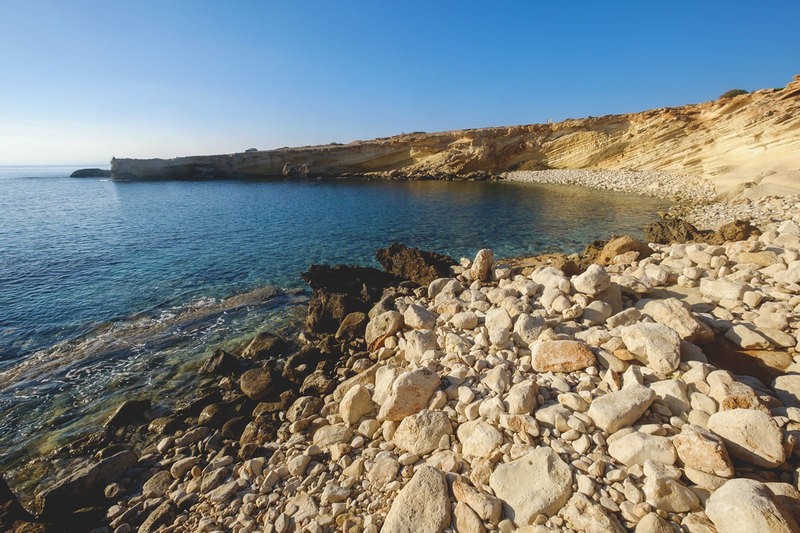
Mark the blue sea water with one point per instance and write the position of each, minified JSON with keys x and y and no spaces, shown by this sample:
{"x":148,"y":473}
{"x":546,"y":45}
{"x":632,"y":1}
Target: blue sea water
{"x":109,"y":290}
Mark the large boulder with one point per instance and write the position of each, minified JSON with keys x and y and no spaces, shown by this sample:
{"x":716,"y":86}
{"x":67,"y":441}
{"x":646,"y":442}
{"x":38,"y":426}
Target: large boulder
{"x":670,"y":230}
{"x":621,"y":245}
{"x":83,"y":488}
{"x":340,"y":290}
{"x":655,"y":345}
{"x":537,"y":483}
{"x":423,"y":506}
{"x":747,"y":505}
{"x":265,"y":345}
{"x":422,"y":432}
{"x":419,"y":266}
{"x":751,"y":435}
{"x":676,"y":315}
{"x":409,"y":394}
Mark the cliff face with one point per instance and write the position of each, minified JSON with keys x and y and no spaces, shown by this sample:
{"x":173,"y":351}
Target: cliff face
{"x":752,"y":138}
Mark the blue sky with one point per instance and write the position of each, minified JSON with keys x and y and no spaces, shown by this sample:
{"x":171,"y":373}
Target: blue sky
{"x":83,"y":81}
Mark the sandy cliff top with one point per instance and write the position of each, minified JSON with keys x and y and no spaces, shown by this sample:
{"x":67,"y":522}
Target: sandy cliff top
{"x":747,"y":141}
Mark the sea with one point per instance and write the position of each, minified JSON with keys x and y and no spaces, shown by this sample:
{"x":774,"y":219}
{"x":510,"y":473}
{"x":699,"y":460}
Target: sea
{"x":115,"y":290}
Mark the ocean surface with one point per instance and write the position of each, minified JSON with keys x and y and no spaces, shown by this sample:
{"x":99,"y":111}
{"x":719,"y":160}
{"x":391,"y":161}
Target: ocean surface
{"x":116,"y":290}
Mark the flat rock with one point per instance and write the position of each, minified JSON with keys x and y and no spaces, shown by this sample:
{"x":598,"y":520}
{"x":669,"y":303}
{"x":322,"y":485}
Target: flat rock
{"x":332,"y":434}
{"x":751,"y":435}
{"x":537,"y":483}
{"x":620,"y":409}
{"x":84,"y":488}
{"x":421,"y":432}
{"x":637,"y":447}
{"x":560,"y":356}
{"x":747,"y":505}
{"x":423,"y":506}
{"x":676,"y":315}
{"x":747,"y":338}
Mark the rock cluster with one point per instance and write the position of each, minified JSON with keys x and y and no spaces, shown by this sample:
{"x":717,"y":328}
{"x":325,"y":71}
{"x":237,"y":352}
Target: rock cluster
{"x":493,"y":401}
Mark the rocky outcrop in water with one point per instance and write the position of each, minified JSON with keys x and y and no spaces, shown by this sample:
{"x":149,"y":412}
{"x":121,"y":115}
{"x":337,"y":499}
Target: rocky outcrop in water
{"x":91,"y":173}
{"x":749,"y":141}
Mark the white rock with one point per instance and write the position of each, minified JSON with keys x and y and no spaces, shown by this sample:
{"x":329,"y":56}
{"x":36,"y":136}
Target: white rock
{"x":528,"y":328}
{"x":464,"y":320}
{"x":672,"y":392}
{"x":417,"y":317}
{"x":409,"y":394}
{"x":655,"y":345}
{"x":670,"y":495}
{"x":478,"y":438}
{"x":593,"y":281}
{"x":497,"y":379}
{"x":751,"y":435}
{"x":482,"y":265}
{"x":616,"y":410}
{"x":382,"y":326}
{"x":747,"y":338}
{"x":423,"y":506}
{"x":522,"y":398}
{"x":676,"y":315}
{"x":787,"y":387}
{"x":421,"y":432}
{"x":355,"y":404}
{"x":723,"y":289}
{"x":417,"y":343}
{"x":537,"y":483}
{"x":747,"y":505}
{"x":637,"y":447}
{"x":582,"y":514}
{"x":498,"y":322}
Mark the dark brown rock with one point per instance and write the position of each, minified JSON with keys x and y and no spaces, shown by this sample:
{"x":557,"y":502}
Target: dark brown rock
{"x":83,"y":488}
{"x":260,"y":430}
{"x":265,"y":345}
{"x":340,"y":290}
{"x":413,"y":264}
{"x":738,"y":230}
{"x":233,"y":428}
{"x":127,"y":413}
{"x":162,"y":515}
{"x":302,"y":363}
{"x":281,"y":404}
{"x":256,"y":383}
{"x":326,"y":311}
{"x":352,"y":327}
{"x":621,"y":245}
{"x":317,"y":384}
{"x":11,"y":511}
{"x":221,"y":363}
{"x":673,"y":230}
{"x":163,"y":425}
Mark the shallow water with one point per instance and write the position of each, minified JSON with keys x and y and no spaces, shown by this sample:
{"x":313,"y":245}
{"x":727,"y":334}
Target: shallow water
{"x":108,"y":289}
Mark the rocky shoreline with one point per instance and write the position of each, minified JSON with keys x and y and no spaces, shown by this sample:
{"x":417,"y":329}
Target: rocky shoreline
{"x":639,"y":387}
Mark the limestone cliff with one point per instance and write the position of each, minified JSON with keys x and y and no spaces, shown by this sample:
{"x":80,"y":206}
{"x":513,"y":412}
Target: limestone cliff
{"x":735,"y":142}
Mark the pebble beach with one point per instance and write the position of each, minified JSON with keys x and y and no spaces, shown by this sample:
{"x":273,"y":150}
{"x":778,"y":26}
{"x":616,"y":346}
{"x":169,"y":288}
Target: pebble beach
{"x":656,"y":390}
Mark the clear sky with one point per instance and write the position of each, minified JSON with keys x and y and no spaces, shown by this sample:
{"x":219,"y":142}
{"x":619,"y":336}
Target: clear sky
{"x":86,"y":80}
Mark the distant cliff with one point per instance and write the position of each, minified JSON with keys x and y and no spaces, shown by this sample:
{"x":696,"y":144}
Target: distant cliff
{"x":747,"y":139}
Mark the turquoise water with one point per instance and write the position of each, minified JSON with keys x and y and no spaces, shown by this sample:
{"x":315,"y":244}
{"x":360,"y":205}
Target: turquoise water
{"x":107,"y":288}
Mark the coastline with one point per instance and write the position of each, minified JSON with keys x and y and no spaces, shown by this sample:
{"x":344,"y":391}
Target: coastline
{"x":522,"y":365}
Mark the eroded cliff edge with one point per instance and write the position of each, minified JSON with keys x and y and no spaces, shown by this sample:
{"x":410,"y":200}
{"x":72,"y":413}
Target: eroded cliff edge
{"x":751,"y":140}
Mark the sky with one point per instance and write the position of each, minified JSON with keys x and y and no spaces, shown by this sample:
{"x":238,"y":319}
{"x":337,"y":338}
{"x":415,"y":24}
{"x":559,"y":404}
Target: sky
{"x":82,"y":81}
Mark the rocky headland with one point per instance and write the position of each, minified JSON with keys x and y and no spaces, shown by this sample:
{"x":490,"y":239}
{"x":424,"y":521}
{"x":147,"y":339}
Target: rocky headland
{"x":639,"y":386}
{"x":744,"y":144}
